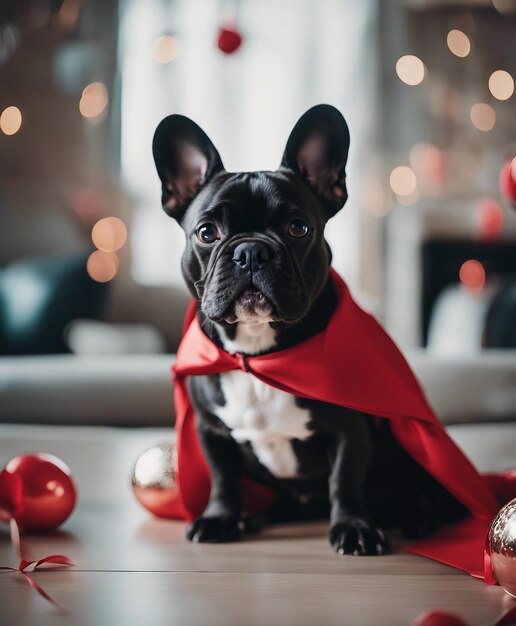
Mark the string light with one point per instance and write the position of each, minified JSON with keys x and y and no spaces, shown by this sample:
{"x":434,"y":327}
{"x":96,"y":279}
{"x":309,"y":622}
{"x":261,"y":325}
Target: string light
{"x":501,"y":85}
{"x":94,"y":100}
{"x":410,"y":69}
{"x":458,"y":43}
{"x":483,"y":116}
{"x":472,"y":275}
{"x":165,"y":48}
{"x":403,"y":180}
{"x":109,"y":234}
{"x":10,"y":120}
{"x":102,"y":266}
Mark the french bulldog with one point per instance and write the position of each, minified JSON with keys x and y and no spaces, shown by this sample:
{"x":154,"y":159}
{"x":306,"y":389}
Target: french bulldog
{"x":257,"y":263}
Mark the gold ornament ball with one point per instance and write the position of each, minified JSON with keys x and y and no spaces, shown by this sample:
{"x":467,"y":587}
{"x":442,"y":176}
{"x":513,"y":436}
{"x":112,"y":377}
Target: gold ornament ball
{"x":502,"y":546}
{"x":154,"y":479}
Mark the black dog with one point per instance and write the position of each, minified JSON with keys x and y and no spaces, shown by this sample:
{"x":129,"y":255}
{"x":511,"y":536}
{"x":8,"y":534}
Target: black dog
{"x":257,"y":262}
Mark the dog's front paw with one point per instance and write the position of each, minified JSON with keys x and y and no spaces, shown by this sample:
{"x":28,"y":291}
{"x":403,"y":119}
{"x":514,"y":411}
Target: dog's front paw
{"x":358,"y":538}
{"x":220,"y":529}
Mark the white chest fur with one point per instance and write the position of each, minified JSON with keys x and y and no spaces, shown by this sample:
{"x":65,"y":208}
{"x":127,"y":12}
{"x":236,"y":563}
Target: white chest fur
{"x":266,"y":417}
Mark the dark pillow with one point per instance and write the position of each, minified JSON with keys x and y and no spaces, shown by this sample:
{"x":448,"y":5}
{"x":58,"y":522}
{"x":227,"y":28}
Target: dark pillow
{"x":40,"y":297}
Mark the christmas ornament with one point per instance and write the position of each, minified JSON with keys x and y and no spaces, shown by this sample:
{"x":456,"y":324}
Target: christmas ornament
{"x":507,"y":181}
{"x":37,"y":491}
{"x":501,"y":547}
{"x":5,"y":496}
{"x":229,"y":39}
{"x":438,"y":618}
{"x":154,"y":479}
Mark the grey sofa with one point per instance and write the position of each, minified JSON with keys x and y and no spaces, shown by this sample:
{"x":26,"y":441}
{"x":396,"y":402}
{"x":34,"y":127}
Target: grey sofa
{"x":136,"y":390}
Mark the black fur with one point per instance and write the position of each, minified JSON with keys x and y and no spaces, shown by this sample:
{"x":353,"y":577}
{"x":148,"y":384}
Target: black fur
{"x":351,"y":469}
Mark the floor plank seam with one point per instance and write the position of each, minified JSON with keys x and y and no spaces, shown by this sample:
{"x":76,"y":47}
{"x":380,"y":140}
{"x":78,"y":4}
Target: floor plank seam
{"x":239,"y":572}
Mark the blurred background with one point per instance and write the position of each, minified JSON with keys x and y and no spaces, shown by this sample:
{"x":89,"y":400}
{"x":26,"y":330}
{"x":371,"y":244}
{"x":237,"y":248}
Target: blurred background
{"x":91,"y":298}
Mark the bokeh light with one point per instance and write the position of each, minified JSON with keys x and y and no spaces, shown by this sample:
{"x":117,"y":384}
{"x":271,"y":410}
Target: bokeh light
{"x":410,"y":199}
{"x":102,"y":266}
{"x":501,"y":85}
{"x":94,"y":100}
{"x":165,"y":48}
{"x":10,"y":120}
{"x":472,"y":275}
{"x":403,"y":180}
{"x":374,"y":200}
{"x":69,"y":13}
{"x":489,"y":217}
{"x":483,"y":116}
{"x":431,"y":166}
{"x":109,"y":234}
{"x":410,"y":69}
{"x":505,"y":7}
{"x":458,"y":43}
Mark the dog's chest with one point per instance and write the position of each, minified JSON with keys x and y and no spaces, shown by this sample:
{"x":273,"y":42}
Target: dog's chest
{"x":266,"y":417}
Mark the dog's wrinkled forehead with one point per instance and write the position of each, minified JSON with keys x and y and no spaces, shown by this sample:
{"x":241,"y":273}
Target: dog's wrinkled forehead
{"x":251,"y":201}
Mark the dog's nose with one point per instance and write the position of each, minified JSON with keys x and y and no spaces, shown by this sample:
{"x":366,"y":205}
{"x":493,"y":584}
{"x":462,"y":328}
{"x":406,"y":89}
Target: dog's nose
{"x":251,"y":255}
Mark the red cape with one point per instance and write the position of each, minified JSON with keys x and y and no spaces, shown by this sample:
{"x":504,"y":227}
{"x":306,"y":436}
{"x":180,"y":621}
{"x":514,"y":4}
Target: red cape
{"x":352,"y":363}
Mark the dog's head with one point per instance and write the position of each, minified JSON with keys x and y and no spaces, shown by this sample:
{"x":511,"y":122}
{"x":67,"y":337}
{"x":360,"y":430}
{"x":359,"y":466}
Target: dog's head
{"x":255,"y":248}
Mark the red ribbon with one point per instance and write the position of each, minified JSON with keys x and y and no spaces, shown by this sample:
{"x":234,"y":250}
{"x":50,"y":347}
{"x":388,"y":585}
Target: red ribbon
{"x":24,"y":565}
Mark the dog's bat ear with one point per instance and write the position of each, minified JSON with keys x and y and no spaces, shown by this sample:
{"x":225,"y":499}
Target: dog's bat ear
{"x":317,"y":150}
{"x":185,"y":159}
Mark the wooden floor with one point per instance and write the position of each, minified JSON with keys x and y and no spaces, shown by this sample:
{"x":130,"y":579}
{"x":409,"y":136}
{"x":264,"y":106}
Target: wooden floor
{"x":134,"y":569}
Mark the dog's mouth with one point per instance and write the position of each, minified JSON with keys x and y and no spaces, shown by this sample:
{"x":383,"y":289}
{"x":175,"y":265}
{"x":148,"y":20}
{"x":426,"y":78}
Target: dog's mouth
{"x":252,"y":298}
{"x":251,"y":305}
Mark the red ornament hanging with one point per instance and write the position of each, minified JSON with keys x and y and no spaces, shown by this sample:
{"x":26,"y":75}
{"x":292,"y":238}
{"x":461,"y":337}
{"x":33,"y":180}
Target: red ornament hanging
{"x":229,"y":39}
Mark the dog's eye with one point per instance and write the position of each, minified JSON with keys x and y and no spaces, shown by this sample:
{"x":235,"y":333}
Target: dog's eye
{"x":298,"y":228}
{"x":208,"y":233}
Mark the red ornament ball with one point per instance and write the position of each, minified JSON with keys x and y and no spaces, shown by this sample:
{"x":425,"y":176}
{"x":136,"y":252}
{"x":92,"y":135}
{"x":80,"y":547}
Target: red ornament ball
{"x":5,"y":496}
{"x":37,"y":490}
{"x":229,"y":39}
{"x":438,"y":618}
{"x":507,"y":180}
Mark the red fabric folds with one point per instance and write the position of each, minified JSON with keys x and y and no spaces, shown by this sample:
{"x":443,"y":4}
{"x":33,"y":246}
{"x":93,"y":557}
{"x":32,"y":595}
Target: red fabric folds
{"x":352,"y":363}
